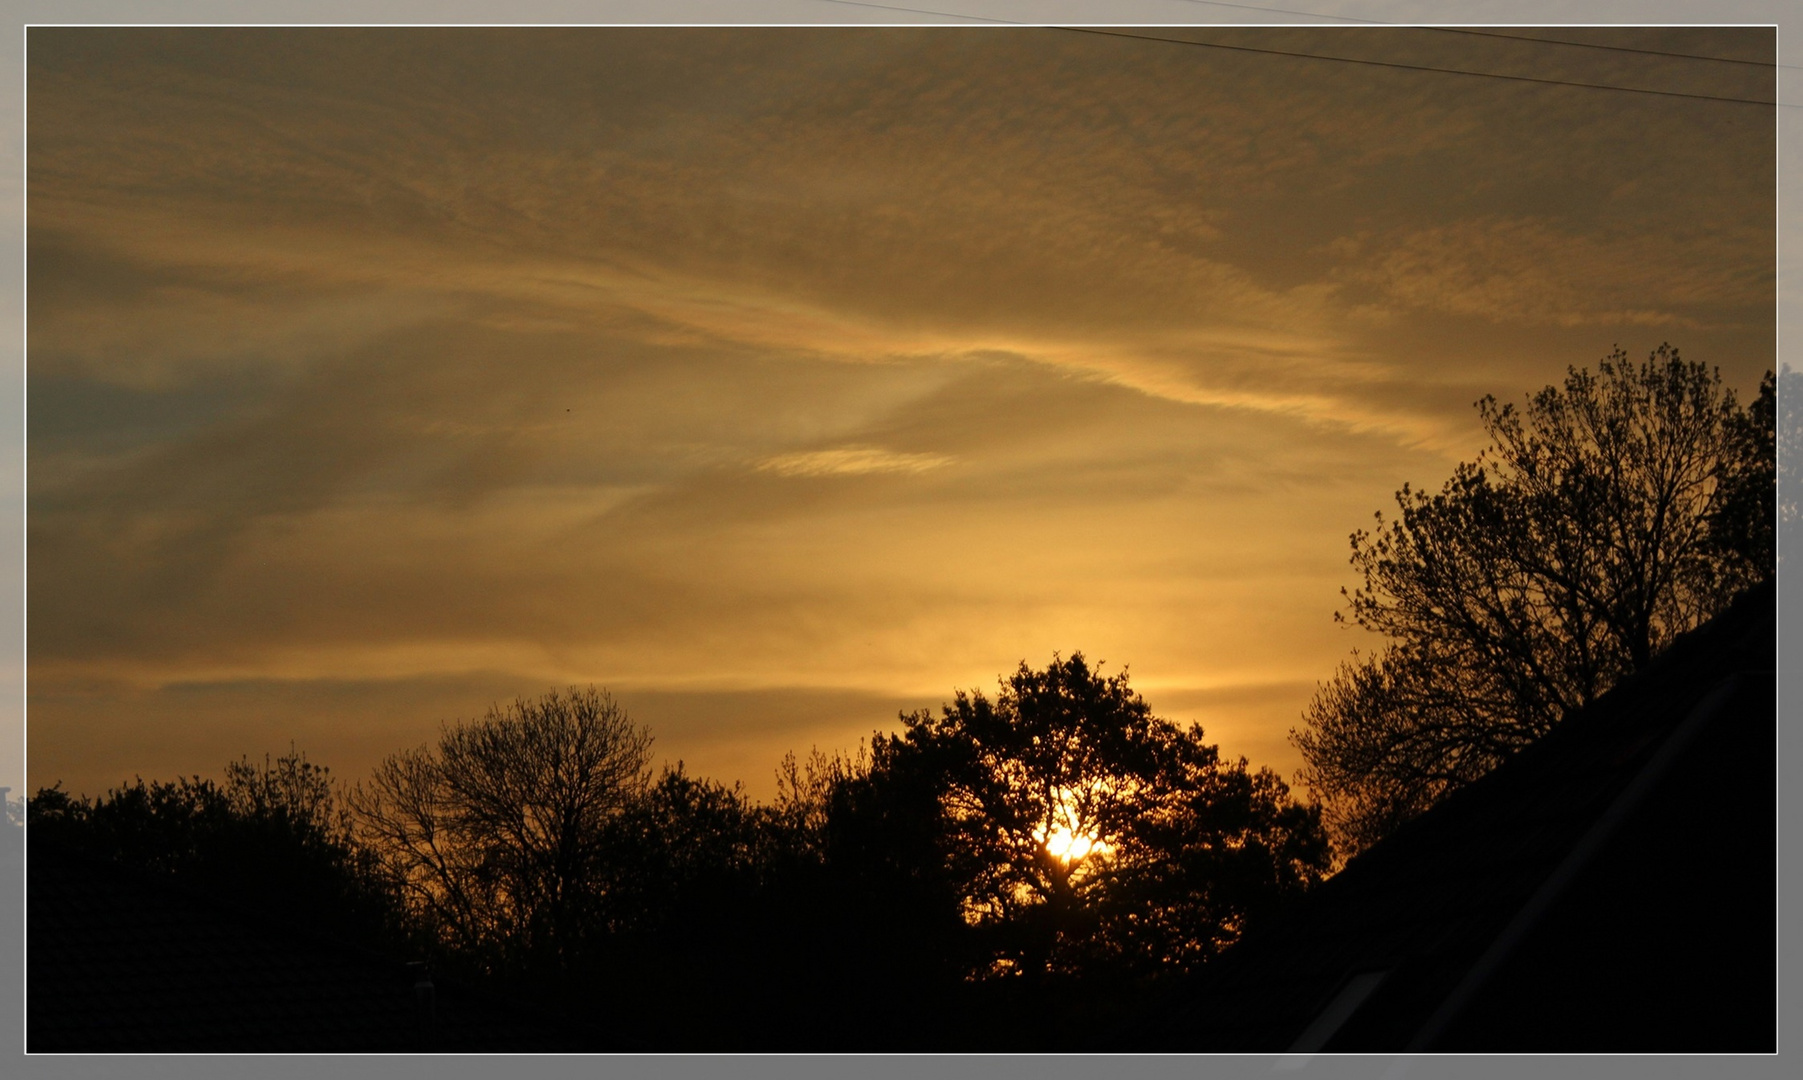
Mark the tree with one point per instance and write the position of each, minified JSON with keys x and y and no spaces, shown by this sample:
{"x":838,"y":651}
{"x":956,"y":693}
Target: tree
{"x":273,"y":838}
{"x":801,"y":813}
{"x":683,"y":845}
{"x":290,"y":789}
{"x":1607,"y":517}
{"x":1083,"y":833}
{"x":497,"y":835}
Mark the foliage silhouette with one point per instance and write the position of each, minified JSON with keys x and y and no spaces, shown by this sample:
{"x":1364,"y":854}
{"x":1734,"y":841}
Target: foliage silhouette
{"x":681,"y":836}
{"x":496,"y":835}
{"x":1610,"y":515}
{"x":1078,"y":832}
{"x":273,"y":838}
{"x":534,"y":851}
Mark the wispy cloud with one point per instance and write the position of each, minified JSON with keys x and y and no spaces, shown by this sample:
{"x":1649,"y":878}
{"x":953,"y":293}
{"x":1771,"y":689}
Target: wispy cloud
{"x":1525,"y":271}
{"x":851,"y":461}
{"x":723,"y":360}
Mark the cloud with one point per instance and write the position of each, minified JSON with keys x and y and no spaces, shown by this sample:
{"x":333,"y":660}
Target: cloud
{"x":392,"y":359}
{"x":851,"y":461}
{"x":1527,"y":271}
{"x":1047,"y":201}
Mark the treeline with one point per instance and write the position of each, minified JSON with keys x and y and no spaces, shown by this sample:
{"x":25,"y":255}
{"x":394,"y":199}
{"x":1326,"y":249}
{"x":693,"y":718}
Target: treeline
{"x":1007,"y":873}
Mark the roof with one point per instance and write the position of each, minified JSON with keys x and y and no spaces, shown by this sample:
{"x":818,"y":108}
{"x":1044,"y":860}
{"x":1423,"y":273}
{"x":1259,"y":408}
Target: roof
{"x":1610,"y":888}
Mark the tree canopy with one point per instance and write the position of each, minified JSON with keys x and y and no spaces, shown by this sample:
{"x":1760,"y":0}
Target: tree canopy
{"x":1076,"y":830}
{"x":496,"y":835}
{"x":273,"y":837}
{"x":1607,"y":516}
{"x":1046,"y":856}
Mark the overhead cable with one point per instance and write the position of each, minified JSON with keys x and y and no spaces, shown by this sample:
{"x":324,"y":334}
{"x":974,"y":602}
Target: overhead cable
{"x":1411,"y":67}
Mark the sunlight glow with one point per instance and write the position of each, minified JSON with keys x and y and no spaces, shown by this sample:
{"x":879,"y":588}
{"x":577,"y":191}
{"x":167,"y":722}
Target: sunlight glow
{"x":1065,"y":838}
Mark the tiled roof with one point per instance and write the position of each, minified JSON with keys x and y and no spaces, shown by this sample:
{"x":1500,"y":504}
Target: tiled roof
{"x":1610,"y":888}
{"x":120,"y":960}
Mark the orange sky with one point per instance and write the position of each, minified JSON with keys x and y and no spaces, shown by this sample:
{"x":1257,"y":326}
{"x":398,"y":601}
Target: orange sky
{"x":780,"y":379}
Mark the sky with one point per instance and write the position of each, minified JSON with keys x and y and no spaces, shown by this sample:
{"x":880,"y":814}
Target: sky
{"x":779,"y":380}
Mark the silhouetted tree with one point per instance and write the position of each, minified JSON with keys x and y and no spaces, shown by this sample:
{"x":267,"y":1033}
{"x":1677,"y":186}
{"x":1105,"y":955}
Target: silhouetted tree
{"x":1082,"y":833}
{"x":273,"y":838}
{"x":661,"y":935}
{"x":805,"y":790}
{"x":676,"y":852}
{"x":885,"y":883}
{"x":496,"y":836}
{"x":1606,"y":518}
{"x":289,"y":789}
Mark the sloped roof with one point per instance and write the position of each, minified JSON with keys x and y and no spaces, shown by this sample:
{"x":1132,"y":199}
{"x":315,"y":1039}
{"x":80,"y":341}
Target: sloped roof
{"x":124,"y":961}
{"x":1611,"y":888}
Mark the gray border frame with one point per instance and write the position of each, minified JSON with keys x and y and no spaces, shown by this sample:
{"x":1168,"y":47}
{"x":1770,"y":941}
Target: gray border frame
{"x":1786,"y":15}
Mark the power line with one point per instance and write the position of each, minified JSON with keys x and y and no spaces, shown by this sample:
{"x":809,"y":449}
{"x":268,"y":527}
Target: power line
{"x":1370,"y":22}
{"x":1356,"y":60}
{"x":1594,"y":45}
{"x":1485,"y":33}
{"x":1411,"y":67}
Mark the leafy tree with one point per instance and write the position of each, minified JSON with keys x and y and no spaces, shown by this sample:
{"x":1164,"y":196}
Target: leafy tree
{"x":871,"y":848}
{"x":681,"y":845}
{"x":496,"y":836}
{"x":1083,"y":833}
{"x":1607,"y":517}
{"x":801,"y":813}
{"x":272,"y":837}
{"x":290,"y":790}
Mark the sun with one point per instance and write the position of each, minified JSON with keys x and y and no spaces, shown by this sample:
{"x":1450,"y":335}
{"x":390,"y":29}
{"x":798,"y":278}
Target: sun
{"x":1065,"y":838}
{"x":1067,"y":846}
